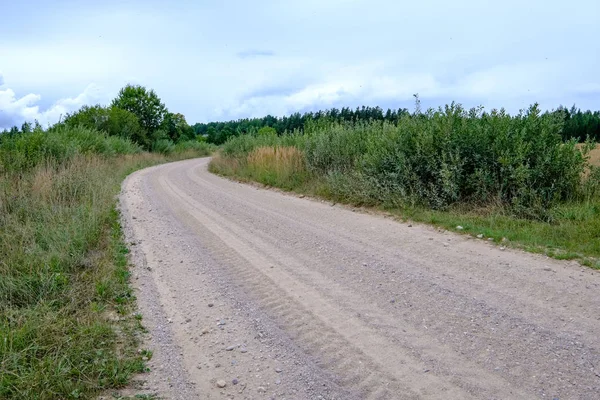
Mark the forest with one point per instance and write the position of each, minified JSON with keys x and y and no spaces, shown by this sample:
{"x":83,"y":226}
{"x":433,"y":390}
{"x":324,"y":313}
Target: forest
{"x":577,"y":123}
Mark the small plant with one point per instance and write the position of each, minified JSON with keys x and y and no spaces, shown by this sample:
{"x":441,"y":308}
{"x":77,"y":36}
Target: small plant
{"x":146,"y":354}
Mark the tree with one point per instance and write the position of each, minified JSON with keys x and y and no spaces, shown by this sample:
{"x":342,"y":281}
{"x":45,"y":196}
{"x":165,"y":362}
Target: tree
{"x":177,"y":128}
{"x":125,"y":124}
{"x":211,"y":134}
{"x":26,"y":127}
{"x":267,"y":131}
{"x":113,"y":121}
{"x":224,"y":134}
{"x":145,"y":104}
{"x":91,"y":117}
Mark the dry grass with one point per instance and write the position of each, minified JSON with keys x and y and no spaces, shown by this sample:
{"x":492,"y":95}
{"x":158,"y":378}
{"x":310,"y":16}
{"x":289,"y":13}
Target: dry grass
{"x":282,"y":166}
{"x":284,"y":161}
{"x":595,"y":156}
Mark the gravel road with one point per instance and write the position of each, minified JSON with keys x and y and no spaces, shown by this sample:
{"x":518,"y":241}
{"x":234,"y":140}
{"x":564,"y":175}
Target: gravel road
{"x":252,"y":294}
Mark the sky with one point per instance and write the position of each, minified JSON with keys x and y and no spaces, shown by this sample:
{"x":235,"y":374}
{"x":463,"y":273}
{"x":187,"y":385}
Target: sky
{"x":230,"y":59}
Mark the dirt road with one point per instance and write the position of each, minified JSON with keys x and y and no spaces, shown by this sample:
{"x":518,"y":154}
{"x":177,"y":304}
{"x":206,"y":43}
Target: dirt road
{"x":281,"y":297}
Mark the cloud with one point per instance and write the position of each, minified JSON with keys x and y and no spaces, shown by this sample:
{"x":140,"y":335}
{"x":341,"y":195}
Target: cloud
{"x":510,"y":85}
{"x":15,"y":110}
{"x":255,"y":53}
{"x":276,"y":57}
{"x":370,"y":83}
{"x":590,"y":88}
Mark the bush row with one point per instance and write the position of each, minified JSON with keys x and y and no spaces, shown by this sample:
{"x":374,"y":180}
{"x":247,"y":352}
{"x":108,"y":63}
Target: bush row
{"x":443,"y":157}
{"x":21,"y":152}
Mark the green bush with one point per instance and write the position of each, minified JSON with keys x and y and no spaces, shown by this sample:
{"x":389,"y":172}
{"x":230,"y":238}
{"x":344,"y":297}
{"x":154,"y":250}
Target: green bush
{"x":21,"y":152}
{"x":440,"y":158}
{"x":241,"y":146}
{"x":267,"y":131}
{"x":163,"y":146}
{"x":113,"y":121}
{"x":202,"y":148}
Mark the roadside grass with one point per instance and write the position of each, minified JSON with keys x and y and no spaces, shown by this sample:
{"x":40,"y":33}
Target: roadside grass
{"x":67,"y":328}
{"x":281,"y":167}
{"x":572,"y":234}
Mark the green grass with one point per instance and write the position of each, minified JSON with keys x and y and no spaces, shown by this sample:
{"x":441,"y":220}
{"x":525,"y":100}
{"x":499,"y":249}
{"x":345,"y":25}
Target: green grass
{"x":67,"y":323}
{"x":564,"y":239}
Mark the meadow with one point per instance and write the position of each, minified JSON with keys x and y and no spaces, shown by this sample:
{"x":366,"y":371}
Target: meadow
{"x":511,"y":179}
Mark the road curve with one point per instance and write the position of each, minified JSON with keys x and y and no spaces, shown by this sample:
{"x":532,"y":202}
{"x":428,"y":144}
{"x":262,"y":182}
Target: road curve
{"x":281,"y":297}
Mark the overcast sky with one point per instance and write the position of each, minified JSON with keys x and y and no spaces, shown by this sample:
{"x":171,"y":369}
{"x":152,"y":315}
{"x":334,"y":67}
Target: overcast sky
{"x":216,"y":60}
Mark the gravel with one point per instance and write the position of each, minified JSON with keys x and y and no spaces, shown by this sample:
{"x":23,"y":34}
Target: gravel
{"x":484,"y":323}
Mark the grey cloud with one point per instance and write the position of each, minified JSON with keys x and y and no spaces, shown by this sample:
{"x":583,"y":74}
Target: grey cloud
{"x":255,"y":53}
{"x":273,"y":91}
{"x":7,"y":121}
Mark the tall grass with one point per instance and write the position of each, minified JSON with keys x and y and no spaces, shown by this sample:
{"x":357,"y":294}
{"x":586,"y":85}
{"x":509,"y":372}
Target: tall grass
{"x":443,"y":161}
{"x":66,"y":330}
{"x":282,"y":167}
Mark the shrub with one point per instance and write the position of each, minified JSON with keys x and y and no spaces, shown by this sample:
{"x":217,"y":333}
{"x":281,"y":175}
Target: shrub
{"x":267,"y":131}
{"x":277,"y":166}
{"x":19,"y":153}
{"x":440,"y":158}
{"x":201,"y":148}
{"x":113,"y":121}
{"x":163,"y":146}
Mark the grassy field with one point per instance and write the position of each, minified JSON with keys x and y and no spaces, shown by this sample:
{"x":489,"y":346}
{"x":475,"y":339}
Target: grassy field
{"x":511,"y":179}
{"x":67,"y":330}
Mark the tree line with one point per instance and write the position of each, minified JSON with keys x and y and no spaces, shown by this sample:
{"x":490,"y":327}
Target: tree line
{"x":219,"y":132}
{"x":577,"y":123}
{"x":137,"y":114}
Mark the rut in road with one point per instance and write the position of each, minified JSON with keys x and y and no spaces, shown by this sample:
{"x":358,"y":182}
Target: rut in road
{"x":390,"y":311}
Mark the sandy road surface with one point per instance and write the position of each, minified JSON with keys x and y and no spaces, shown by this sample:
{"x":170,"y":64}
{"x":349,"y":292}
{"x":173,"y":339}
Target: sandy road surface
{"x":289,"y":298}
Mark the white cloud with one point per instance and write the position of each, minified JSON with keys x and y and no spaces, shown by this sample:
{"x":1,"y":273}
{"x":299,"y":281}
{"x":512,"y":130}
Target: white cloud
{"x":512,"y":85}
{"x":15,"y":110}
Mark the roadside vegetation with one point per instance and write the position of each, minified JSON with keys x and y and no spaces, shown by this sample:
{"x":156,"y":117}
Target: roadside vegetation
{"x":504,"y":177}
{"x":67,"y":328}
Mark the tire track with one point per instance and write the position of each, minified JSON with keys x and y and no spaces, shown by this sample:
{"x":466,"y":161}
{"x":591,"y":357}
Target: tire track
{"x":376,"y":307}
{"x":378,"y":353}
